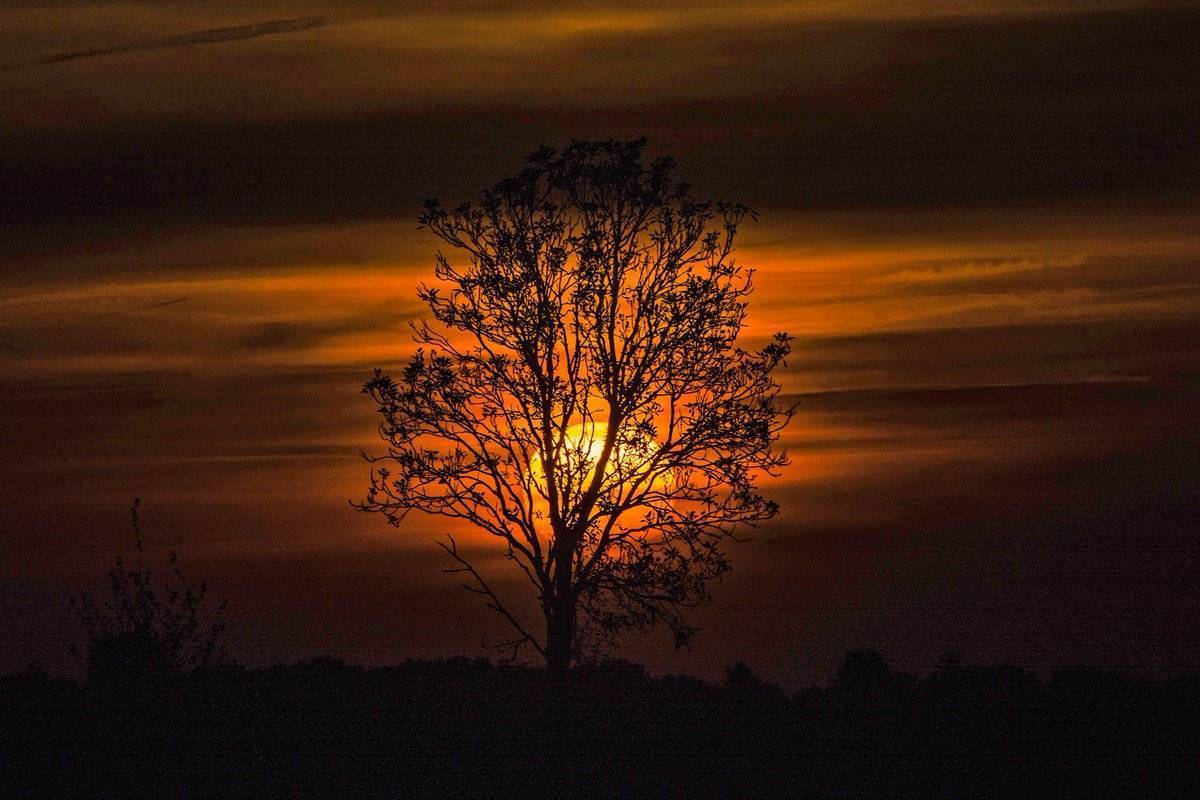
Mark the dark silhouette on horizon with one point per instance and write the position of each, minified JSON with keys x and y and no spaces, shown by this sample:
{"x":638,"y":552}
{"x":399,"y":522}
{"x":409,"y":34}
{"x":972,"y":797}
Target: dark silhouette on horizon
{"x":160,"y":715}
{"x":470,"y":728}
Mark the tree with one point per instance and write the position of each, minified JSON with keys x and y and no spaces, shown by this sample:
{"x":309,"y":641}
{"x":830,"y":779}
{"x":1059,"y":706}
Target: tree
{"x":580,"y":395}
{"x":146,"y":627}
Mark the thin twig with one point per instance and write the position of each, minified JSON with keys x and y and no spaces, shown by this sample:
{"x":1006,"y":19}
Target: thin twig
{"x":486,"y":590}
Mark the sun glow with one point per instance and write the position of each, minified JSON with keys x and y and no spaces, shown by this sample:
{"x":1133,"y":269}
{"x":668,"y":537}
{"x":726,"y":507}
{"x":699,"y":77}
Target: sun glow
{"x":583,"y":447}
{"x":586,"y":443}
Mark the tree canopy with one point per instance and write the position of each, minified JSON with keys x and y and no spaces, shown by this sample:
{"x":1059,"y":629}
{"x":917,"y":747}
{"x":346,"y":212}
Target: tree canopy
{"x":580,"y":393}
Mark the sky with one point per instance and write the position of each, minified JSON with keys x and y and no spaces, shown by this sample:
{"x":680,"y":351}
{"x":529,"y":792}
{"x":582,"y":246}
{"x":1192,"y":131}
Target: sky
{"x":978,"y":219}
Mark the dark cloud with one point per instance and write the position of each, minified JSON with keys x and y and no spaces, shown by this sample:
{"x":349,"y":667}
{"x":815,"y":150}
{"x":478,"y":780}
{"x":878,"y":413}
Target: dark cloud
{"x":288,"y":171}
{"x":79,"y":446}
{"x":282,"y":335}
{"x":956,"y":113}
{"x":211,"y":333}
{"x":1041,"y":525}
{"x":1001,"y":354}
{"x":233,"y":33}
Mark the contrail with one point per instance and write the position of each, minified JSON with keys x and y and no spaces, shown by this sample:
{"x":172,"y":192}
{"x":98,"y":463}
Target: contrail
{"x":212,"y":36}
{"x":146,"y":307}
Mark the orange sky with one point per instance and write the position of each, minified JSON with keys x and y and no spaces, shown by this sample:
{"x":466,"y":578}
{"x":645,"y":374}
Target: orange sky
{"x":977,"y":218}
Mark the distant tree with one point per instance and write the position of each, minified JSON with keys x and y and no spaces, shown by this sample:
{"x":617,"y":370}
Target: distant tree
{"x":143,"y":626}
{"x":742,"y":680}
{"x":581,"y":396}
{"x":864,"y":673}
{"x":740,"y":675}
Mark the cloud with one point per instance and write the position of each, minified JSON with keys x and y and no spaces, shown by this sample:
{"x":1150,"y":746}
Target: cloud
{"x":233,"y":33}
{"x":281,"y":335}
{"x":826,"y":115}
{"x":993,"y":355}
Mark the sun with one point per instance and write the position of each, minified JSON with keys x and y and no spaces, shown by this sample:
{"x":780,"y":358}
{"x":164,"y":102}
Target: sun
{"x":584,"y":444}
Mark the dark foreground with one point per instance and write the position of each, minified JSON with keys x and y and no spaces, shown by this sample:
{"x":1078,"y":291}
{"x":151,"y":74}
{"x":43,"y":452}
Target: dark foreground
{"x":464,"y":728}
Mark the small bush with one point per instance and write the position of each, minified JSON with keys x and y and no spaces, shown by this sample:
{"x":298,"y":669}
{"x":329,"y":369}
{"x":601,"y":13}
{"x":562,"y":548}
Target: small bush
{"x":146,"y":628}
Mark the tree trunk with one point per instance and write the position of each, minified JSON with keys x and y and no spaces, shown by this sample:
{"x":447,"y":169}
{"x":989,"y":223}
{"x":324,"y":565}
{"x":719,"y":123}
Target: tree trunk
{"x":560,"y":617}
{"x":560,"y":635}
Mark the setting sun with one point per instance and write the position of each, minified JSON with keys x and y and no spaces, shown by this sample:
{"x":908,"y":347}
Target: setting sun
{"x":585,"y":443}
{"x":582,"y":449}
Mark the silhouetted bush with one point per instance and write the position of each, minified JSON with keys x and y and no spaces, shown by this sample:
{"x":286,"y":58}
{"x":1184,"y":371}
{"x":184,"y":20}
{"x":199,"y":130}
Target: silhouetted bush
{"x":146,"y":631}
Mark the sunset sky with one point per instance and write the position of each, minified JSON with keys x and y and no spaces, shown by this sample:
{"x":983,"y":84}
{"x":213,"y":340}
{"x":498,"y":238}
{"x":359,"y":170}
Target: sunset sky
{"x":978,"y":219}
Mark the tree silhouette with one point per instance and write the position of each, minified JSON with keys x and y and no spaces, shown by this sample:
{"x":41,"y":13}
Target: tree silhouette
{"x":580,"y":395}
{"x":146,"y":627}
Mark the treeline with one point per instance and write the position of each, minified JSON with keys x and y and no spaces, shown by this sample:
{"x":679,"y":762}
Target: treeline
{"x":470,"y":728}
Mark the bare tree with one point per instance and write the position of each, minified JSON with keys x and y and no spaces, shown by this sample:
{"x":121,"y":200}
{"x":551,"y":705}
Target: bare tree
{"x":147,"y":625}
{"x":581,"y":396}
